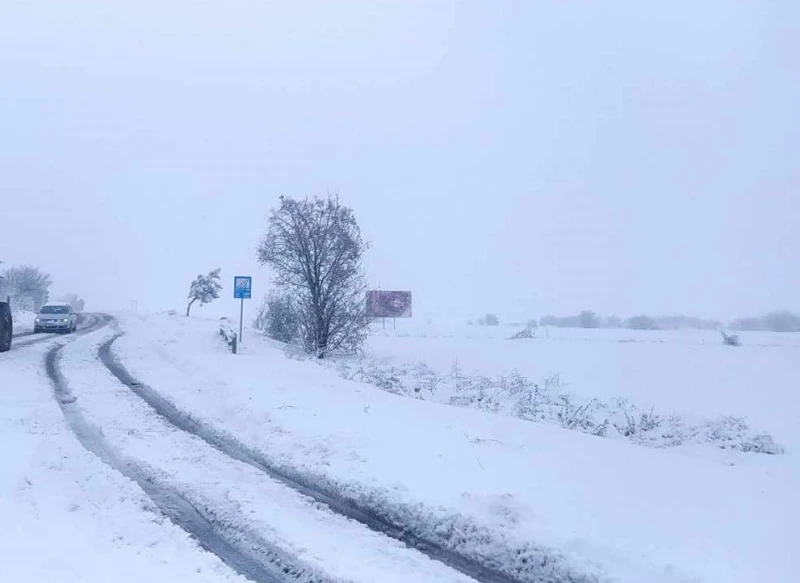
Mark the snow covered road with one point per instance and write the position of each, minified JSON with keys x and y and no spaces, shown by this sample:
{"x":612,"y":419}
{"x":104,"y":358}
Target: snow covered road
{"x":238,"y":500}
{"x":66,"y":515}
{"x":25,"y":336}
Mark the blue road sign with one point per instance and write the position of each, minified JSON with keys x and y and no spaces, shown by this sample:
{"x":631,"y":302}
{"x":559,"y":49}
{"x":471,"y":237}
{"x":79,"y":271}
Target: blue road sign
{"x":242,"y":287}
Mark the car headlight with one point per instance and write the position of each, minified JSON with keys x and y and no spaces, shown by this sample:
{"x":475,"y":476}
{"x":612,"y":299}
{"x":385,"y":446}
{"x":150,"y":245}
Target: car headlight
{"x":65,"y":319}
{"x":38,"y":319}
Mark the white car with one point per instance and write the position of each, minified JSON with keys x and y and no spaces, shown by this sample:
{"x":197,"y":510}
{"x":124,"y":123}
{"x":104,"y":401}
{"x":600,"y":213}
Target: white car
{"x":56,"y":317}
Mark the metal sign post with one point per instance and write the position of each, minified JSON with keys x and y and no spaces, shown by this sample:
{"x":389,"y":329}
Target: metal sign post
{"x":242,"y":290}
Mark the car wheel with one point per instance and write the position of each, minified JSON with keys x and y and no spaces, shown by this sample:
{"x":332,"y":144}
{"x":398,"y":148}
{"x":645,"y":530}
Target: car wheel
{"x":5,"y":336}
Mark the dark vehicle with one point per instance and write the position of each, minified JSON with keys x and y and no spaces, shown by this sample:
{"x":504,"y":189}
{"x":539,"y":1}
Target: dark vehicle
{"x":6,"y":326}
{"x":54,"y":317}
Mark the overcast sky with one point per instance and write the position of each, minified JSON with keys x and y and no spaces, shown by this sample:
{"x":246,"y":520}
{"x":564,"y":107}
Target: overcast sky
{"x":518,"y":157}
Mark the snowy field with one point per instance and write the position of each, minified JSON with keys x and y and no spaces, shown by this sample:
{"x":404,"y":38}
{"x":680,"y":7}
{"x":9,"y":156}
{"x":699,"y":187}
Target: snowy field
{"x":686,"y":373}
{"x":503,"y":488}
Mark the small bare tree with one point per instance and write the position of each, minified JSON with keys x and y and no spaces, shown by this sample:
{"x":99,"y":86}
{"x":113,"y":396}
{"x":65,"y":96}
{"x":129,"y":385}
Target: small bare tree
{"x":204,"y":289}
{"x":28,"y":287}
{"x":315,"y":248}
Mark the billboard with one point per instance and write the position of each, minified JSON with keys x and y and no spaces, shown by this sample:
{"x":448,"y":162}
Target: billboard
{"x":389,"y":304}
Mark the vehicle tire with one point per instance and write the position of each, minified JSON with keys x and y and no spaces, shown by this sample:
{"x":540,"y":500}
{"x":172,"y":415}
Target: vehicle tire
{"x":6,"y":330}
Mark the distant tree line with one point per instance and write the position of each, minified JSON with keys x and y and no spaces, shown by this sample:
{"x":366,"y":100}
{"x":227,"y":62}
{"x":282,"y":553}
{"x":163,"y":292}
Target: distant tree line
{"x":778,"y":321}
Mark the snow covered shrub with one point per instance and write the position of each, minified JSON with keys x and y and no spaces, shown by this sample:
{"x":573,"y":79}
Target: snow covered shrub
{"x":425,"y":379}
{"x":580,"y":416}
{"x":630,"y":422}
{"x":730,"y":339}
{"x":733,"y":433}
{"x":277,"y":318}
{"x":518,"y":396}
{"x":385,"y":378}
{"x":529,"y":331}
{"x":533,"y":404}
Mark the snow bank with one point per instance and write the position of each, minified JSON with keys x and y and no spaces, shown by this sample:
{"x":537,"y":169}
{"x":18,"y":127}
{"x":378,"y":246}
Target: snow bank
{"x":23,"y":322}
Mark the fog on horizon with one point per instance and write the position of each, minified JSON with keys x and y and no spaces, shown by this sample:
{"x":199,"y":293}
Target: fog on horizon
{"x":517,"y":157}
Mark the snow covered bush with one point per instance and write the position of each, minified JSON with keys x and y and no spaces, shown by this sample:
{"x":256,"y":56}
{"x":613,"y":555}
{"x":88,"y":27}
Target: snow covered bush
{"x":730,"y":339}
{"x":276,"y":318}
{"x":529,"y":331}
{"x":515,"y":395}
{"x":733,"y":433}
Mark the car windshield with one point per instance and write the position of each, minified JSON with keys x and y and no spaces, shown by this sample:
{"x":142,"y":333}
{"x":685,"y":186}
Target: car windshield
{"x":55,"y":310}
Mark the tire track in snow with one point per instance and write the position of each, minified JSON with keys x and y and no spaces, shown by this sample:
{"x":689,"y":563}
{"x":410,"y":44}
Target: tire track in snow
{"x":87,"y":323}
{"x":245,"y":552}
{"x":338,"y":504}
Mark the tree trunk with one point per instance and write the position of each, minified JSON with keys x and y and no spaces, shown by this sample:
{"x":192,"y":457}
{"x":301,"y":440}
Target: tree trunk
{"x":189,"y":307}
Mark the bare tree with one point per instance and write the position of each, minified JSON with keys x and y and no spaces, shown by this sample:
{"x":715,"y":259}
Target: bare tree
{"x":315,"y":248}
{"x":28,"y":287}
{"x":204,"y":289}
